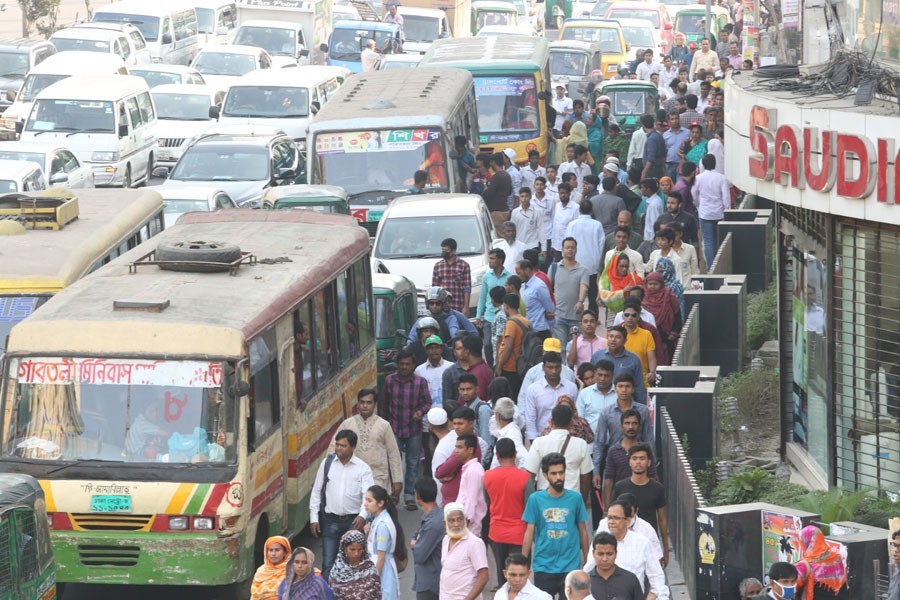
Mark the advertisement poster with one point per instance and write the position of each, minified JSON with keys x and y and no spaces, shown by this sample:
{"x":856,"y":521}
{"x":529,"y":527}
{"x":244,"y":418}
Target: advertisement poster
{"x":781,"y":539}
{"x":390,"y":140}
{"x":503,"y":86}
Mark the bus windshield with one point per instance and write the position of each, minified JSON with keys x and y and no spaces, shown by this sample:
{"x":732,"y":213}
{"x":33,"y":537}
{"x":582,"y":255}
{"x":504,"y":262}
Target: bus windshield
{"x":507,"y":105}
{"x":118,"y":410}
{"x":385,"y":160}
{"x":266,"y":101}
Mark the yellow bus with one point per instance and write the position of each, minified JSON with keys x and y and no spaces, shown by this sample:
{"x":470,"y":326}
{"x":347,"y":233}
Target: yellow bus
{"x":175,"y":404}
{"x":512,"y":88}
{"x":53,"y":238}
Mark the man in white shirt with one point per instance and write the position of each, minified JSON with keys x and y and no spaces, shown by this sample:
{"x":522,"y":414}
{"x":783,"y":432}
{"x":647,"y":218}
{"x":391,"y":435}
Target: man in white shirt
{"x":712,"y":195}
{"x":636,"y":148}
{"x":512,"y":247}
{"x":562,"y":104}
{"x":509,"y":164}
{"x":503,"y":426}
{"x":578,"y":166}
{"x":369,"y":57}
{"x":532,"y":170}
{"x":529,"y":221}
{"x":437,"y":424}
{"x":518,"y":587}
{"x":636,"y":525}
{"x":668,"y":73}
{"x":541,"y":396}
{"x":578,"y":455}
{"x":432,"y":371}
{"x":648,"y":67}
{"x":337,"y":505}
{"x":564,"y":213}
{"x":544,"y":202}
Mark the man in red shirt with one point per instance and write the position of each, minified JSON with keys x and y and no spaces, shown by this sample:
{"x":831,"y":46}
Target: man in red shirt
{"x":507,"y":488}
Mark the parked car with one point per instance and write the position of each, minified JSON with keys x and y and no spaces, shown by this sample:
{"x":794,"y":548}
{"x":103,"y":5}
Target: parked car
{"x":21,"y":176}
{"x":605,"y":32}
{"x":244,"y":163}
{"x":17,"y":58}
{"x":161,"y":74}
{"x":182,"y":113}
{"x":124,"y":41}
{"x":180,"y":200}
{"x":421,"y":26}
{"x":222,"y":65}
{"x":216,"y":21}
{"x":60,"y":166}
{"x":395,"y":312}
{"x":408,"y":240}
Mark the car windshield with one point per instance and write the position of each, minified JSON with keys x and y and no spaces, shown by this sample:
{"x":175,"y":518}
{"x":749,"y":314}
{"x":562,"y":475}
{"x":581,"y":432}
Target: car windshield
{"x":689,"y":23}
{"x":568,"y":63}
{"x":72,"y":115}
{"x":7,"y":186}
{"x":118,"y":410}
{"x":347,"y":44}
{"x":223,"y":162}
{"x":224,"y":63}
{"x":13,"y":64}
{"x":35,"y":157}
{"x":421,"y":29}
{"x":507,"y":104}
{"x":173,"y":206}
{"x":155,"y":78}
{"x":628,"y":103}
{"x":274,"y":40}
{"x":420,"y":237}
{"x":625,"y":13}
{"x":182,"y":107}
{"x":496,"y":17}
{"x":206,"y":20}
{"x":65,"y":44}
{"x":385,"y":160}
{"x":14,"y":309}
{"x":35,"y":84}
{"x":390,"y":65}
{"x":148,"y":26}
{"x":266,"y":101}
{"x":638,"y":37}
{"x":607,"y":37}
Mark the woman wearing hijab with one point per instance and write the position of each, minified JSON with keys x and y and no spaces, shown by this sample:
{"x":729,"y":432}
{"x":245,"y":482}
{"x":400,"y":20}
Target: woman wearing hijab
{"x":579,"y":427}
{"x":616,"y":278}
{"x":300,"y":579}
{"x":385,"y":532}
{"x":577,"y":135}
{"x":270,"y":575}
{"x":353,"y":576}
{"x":666,"y":268}
{"x":821,"y":574}
{"x":665,"y":186}
{"x":661,"y":302}
{"x":694,"y":148}
{"x":597,"y":128}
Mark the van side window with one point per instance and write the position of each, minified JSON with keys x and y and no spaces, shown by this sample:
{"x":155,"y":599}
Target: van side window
{"x":304,"y":355}
{"x":138,"y":40}
{"x":145,"y":105}
{"x":264,"y":405}
{"x":324,"y":336}
{"x":134,"y":112}
{"x":166,"y":30}
{"x":126,"y":47}
{"x":185,"y":24}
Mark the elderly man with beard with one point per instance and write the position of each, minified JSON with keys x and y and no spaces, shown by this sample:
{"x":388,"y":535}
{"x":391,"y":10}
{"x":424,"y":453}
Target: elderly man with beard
{"x":464,"y":563}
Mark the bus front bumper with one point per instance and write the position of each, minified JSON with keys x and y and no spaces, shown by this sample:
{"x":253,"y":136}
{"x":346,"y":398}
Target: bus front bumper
{"x":124,"y":558}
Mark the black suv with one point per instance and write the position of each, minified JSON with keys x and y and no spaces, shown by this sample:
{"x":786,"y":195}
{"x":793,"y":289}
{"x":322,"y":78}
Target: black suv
{"x":17,"y":57}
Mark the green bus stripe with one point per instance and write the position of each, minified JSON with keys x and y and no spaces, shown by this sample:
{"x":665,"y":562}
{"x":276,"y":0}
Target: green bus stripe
{"x":196,"y":501}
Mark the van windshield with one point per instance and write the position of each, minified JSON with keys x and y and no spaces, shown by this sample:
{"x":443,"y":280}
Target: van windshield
{"x":206,"y":20}
{"x":149,"y":26}
{"x":35,"y":84}
{"x":155,"y":78}
{"x":607,"y":37}
{"x":118,"y":410}
{"x":638,"y":37}
{"x":72,"y":115}
{"x":276,"y":41}
{"x":507,"y":106}
{"x":568,"y":63}
{"x":65,"y":44}
{"x":223,"y":162}
{"x":689,"y":23}
{"x":225,"y":63}
{"x":182,"y":107}
{"x":382,"y":160}
{"x":421,"y":237}
{"x":266,"y":101}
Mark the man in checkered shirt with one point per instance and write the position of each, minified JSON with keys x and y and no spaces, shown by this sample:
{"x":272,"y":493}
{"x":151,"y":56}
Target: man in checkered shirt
{"x":454,"y":275}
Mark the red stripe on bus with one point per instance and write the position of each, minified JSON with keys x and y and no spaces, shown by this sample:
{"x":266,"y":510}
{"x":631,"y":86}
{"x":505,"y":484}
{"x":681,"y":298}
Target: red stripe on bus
{"x":296,"y":465}
{"x":267,"y":496}
{"x":215,"y":498}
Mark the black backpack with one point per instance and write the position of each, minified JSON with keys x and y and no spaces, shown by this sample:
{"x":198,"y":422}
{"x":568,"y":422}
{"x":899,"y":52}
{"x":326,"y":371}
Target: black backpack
{"x":532,"y":348}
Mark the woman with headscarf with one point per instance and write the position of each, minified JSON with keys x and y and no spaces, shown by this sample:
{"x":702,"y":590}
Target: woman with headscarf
{"x":665,"y":186}
{"x":579,"y":427}
{"x":300,"y":579}
{"x":694,"y":148}
{"x":384,"y":535}
{"x":578,"y":135}
{"x":614,"y":281}
{"x":270,"y":575}
{"x":821,"y":573}
{"x":353,"y":576}
{"x":597,"y":128}
{"x":666,"y":268}
{"x":661,"y":302}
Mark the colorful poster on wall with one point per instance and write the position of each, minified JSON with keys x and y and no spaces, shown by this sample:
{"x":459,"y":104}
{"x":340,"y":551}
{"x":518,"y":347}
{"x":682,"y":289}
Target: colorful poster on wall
{"x":781,"y":539}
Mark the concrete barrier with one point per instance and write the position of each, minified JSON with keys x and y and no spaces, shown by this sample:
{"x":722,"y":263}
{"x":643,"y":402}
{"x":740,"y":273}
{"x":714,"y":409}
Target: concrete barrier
{"x":723,"y":319}
{"x":752,"y":244}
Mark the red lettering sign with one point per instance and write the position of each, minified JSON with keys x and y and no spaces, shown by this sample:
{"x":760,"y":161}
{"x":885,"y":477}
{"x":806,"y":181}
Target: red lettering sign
{"x":823,"y":180}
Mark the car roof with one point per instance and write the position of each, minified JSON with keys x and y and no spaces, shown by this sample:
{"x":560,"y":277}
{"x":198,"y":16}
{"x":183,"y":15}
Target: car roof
{"x":304,"y":191}
{"x":24,"y":44}
{"x":176,"y":192}
{"x":434,"y":205}
{"x":184,"y":88}
{"x":232,"y":49}
{"x":164,"y":68}
{"x":65,"y":59}
{"x":94,"y":87}
{"x":298,"y":77}
{"x":16,"y":168}
{"x":86,"y":33}
{"x":574,"y":45}
{"x":241,"y":134}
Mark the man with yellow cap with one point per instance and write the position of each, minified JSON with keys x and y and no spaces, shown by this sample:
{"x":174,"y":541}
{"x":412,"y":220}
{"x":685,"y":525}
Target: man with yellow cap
{"x":464,"y":563}
{"x":537,"y":372}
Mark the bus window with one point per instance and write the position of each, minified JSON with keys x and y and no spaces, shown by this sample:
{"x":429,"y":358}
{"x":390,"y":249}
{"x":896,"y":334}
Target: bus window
{"x":303,"y":356}
{"x":26,"y":539}
{"x":361,"y":278}
{"x":322,"y":337}
{"x":264,"y":383}
{"x":348,"y":326}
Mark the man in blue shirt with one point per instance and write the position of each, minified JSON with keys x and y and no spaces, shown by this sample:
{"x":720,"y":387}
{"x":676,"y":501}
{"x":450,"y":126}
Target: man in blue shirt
{"x":465,"y":160}
{"x":654,"y":149}
{"x":674,"y":138}
{"x":495,"y":276}
{"x":623,"y":360}
{"x":553,"y":516}
{"x":539,"y":308}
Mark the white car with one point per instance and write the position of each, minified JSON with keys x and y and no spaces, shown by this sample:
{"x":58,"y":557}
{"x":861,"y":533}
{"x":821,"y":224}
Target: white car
{"x":180,"y":200}
{"x":408,"y":240}
{"x":489,"y":30}
{"x":124,"y":41}
{"x":640,"y":34}
{"x":182,"y":112}
{"x":390,"y":62}
{"x":222,"y":65}
{"x":161,"y":74}
{"x":60,"y":166}
{"x":21,"y":176}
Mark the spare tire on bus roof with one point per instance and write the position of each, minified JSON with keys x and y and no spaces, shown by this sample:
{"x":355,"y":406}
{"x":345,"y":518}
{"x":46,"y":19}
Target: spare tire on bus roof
{"x":197,"y":256}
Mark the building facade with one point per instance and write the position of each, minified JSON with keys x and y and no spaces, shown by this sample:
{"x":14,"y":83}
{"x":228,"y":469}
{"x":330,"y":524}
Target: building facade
{"x":833,"y":172}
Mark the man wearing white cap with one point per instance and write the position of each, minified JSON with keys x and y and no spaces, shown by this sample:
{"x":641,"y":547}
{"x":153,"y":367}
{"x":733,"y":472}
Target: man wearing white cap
{"x":437,"y":424}
{"x":562,"y":104}
{"x":509,"y":163}
{"x":464,"y":563}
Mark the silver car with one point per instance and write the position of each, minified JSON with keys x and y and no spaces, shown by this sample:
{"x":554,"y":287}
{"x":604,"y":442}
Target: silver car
{"x":60,"y":166}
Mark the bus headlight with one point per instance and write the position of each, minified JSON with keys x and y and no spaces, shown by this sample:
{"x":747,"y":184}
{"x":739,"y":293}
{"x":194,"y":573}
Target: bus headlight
{"x":204,"y":523}
{"x":178,"y":523}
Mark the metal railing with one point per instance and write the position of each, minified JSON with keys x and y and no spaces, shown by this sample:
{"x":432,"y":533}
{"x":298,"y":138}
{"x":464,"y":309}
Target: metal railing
{"x":683,"y":498}
{"x":882,"y":580}
{"x":722,"y":263}
{"x":687,"y":351}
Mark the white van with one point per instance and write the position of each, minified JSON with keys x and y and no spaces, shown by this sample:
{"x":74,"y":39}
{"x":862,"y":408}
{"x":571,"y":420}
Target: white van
{"x":102,"y":40}
{"x":282,"y":98}
{"x":53,"y":69}
{"x":20,"y":176}
{"x":169,"y":26}
{"x":421,"y":26}
{"x":109,"y":122}
{"x":217,"y":21}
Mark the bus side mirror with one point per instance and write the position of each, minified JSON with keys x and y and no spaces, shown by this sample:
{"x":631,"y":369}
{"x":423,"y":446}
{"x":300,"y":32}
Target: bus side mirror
{"x":323,"y":47}
{"x":166,"y":38}
{"x":214,"y":111}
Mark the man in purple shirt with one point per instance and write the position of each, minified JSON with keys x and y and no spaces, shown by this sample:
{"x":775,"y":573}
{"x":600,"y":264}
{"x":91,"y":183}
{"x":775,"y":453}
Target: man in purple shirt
{"x":406,"y":400}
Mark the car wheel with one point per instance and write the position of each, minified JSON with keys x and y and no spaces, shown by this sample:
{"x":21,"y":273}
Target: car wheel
{"x":126,"y":181}
{"x":197,"y":256}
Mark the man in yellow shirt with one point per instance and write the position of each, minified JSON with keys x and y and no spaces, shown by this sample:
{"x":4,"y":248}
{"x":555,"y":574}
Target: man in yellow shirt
{"x":640,"y":341}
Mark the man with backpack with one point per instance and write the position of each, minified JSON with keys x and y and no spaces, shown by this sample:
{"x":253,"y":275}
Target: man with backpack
{"x":536,"y":372}
{"x":511,"y":346}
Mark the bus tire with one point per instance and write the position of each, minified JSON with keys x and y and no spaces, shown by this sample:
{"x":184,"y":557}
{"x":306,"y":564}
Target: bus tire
{"x":198,"y":256}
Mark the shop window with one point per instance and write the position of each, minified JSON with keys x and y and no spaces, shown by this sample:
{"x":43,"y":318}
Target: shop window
{"x":264,"y":402}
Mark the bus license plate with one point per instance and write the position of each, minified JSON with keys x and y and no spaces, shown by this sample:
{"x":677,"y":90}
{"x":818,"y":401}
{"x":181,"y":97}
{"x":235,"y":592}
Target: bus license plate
{"x":107,"y":504}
